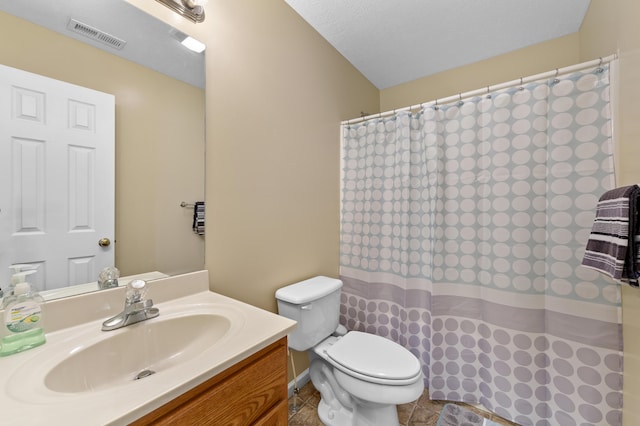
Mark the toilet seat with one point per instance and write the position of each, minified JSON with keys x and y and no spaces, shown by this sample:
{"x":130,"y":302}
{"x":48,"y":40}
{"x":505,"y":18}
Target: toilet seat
{"x":374,"y":359}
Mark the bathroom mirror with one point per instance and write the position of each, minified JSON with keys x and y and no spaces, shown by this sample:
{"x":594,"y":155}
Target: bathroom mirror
{"x":158,"y":87}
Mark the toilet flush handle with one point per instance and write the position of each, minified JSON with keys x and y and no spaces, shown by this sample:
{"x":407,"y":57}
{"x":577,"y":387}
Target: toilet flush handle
{"x":307,"y":307}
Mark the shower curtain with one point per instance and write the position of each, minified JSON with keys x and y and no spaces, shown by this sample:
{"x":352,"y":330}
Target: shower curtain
{"x":463,"y":227}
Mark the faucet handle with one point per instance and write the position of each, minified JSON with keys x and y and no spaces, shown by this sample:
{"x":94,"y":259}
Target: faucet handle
{"x":136,"y":307}
{"x":108,"y":277}
{"x":136,"y":291}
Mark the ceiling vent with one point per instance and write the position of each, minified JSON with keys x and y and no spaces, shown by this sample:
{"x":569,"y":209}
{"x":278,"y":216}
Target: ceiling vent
{"x":95,"y":34}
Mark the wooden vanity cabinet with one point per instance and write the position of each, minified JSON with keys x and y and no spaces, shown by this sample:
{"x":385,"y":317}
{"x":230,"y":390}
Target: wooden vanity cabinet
{"x":252,"y":392}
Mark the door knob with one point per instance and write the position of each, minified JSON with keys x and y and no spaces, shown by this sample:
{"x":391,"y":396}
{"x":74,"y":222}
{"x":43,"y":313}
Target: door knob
{"x":104,"y":242}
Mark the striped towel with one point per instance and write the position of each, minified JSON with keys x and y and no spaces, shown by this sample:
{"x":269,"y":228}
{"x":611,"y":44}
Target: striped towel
{"x":198,"y":218}
{"x":611,"y":248}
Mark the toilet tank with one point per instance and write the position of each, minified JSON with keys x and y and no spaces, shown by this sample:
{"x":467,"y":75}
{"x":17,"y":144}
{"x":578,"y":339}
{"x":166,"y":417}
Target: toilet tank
{"x":315,"y":305}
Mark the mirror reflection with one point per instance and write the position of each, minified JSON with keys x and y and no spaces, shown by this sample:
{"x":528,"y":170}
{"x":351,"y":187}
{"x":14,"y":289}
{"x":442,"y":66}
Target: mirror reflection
{"x":158,"y":90}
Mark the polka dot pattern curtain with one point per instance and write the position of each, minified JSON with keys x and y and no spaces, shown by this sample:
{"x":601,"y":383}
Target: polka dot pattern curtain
{"x":463,"y":227}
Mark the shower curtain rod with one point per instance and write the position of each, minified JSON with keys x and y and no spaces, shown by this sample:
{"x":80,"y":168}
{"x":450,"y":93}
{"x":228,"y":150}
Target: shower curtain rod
{"x":488,"y":89}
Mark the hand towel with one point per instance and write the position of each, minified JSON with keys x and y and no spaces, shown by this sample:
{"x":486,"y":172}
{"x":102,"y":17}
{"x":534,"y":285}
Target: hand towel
{"x":198,"y":218}
{"x":611,"y":248}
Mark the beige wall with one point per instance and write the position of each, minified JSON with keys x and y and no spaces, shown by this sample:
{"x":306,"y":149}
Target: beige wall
{"x":547,"y":56}
{"x":149,"y":147}
{"x":612,"y":27}
{"x":276,"y":93}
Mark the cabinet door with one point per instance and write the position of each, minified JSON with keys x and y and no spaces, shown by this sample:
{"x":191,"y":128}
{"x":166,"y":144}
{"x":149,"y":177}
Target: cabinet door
{"x":278,"y":416}
{"x":252,"y":392}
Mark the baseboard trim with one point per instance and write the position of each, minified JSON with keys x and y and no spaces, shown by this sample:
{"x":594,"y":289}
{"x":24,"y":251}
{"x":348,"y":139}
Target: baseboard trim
{"x":301,"y":380}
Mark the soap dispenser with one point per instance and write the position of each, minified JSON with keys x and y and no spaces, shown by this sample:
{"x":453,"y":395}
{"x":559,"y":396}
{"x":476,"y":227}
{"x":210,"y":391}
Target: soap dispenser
{"x":23,"y":317}
{"x":17,"y":276}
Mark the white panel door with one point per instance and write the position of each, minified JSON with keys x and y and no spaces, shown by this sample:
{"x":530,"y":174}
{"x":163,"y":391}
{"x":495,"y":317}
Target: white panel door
{"x":57,"y":178}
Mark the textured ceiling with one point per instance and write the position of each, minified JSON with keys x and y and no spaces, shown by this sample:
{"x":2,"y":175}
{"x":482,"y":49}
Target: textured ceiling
{"x":395,"y":41}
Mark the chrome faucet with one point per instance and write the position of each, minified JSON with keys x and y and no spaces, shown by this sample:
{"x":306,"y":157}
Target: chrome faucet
{"x":136,"y":308}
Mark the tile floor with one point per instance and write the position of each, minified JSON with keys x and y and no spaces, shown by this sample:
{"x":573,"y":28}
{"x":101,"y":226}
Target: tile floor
{"x":422,"y":412}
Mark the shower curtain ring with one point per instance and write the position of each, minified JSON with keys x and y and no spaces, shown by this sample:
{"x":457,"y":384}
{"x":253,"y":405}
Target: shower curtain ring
{"x":521,"y":84}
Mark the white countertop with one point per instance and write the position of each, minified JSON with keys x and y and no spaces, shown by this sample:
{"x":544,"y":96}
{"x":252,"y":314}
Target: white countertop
{"x":26,"y":401}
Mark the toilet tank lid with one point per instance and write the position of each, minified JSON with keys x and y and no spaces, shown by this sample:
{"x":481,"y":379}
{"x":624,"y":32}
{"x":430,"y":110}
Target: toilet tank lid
{"x":308,"y":290}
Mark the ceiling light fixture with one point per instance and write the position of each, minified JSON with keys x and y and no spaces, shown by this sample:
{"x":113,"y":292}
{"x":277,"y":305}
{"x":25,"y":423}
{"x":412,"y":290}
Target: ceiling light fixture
{"x":193,"y":44}
{"x":190,"y":9}
{"x":187,"y":41}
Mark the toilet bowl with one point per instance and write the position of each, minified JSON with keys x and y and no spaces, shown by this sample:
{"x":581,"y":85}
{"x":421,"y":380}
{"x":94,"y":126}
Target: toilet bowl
{"x":361,"y":377}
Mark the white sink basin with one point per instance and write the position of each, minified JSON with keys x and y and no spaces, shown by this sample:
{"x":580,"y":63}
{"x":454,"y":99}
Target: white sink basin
{"x":84,"y":375}
{"x":90,"y":361}
{"x":142,"y":349}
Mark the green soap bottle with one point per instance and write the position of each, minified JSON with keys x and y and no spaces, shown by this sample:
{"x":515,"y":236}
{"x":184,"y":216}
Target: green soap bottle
{"x":23,"y":319}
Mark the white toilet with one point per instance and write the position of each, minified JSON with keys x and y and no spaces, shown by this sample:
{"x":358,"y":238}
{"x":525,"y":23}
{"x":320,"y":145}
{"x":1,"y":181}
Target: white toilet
{"x":361,"y":377}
